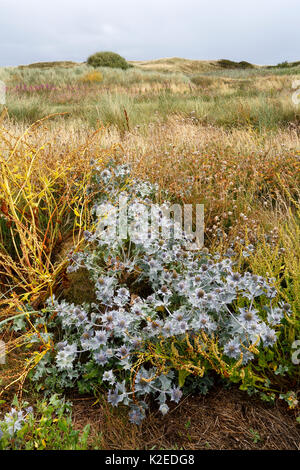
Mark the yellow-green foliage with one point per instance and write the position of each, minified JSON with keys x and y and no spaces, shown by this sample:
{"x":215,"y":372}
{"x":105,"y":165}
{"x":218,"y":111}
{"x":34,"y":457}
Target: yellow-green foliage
{"x":43,"y":196}
{"x":43,"y":200}
{"x":280,"y":259}
{"x":92,"y":77}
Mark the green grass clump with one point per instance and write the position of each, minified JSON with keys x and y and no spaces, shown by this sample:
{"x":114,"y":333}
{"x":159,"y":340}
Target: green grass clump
{"x":108,"y":59}
{"x":202,"y":81}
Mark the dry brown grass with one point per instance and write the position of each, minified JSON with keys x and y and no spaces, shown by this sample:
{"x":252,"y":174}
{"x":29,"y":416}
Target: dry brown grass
{"x":232,"y":172}
{"x":224,"y":419}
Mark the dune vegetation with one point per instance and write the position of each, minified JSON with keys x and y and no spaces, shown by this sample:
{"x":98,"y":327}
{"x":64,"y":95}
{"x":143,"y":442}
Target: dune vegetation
{"x":142,"y":332}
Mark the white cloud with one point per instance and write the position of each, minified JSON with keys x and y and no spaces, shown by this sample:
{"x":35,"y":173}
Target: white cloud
{"x":261,"y":31}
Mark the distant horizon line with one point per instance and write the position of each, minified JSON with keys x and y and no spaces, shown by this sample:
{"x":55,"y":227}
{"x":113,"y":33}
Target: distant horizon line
{"x":216,"y":60}
{"x":156,"y":59}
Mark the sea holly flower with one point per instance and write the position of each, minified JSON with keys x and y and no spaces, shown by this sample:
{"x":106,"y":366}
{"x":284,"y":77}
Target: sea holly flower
{"x":268,"y":336}
{"x":101,"y":358}
{"x":167,"y":329}
{"x":14,"y":421}
{"x":176,"y":394}
{"x":122,"y":297}
{"x":101,"y":337}
{"x":122,"y":321}
{"x":123,"y":351}
{"x":108,"y":376}
{"x":81,"y":317}
{"x":88,"y":341}
{"x":165,"y":292}
{"x":286,"y":308}
{"x":164,"y":408}
{"x":233,"y":349}
{"x":153,"y":327}
{"x":60,"y":346}
{"x":106,"y":175}
{"x":181,"y":327}
{"x":66,"y":356}
{"x":181,"y":287}
{"x":110,"y":352}
{"x":136,"y":416}
{"x":253,"y":330}
{"x":203,"y":322}
{"x":179,"y":315}
{"x":234,"y":277}
{"x":248,"y":316}
{"x":109,"y":317}
{"x":114,"y":398}
{"x":275,"y":315}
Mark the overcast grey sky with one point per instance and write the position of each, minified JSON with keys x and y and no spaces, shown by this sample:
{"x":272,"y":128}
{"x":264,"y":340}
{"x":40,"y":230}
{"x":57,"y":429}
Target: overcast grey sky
{"x":260,"y":31}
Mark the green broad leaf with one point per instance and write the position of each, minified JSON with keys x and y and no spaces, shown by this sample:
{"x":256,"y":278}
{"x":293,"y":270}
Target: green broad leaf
{"x":269,"y":355}
{"x":244,"y":387}
{"x":63,"y":425}
{"x":262,"y":361}
{"x":182,"y":375}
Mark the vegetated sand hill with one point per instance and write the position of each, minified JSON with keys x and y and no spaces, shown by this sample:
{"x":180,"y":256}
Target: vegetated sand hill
{"x":176,"y":64}
{"x":46,"y":65}
{"x":188,"y":66}
{"x":173,"y":64}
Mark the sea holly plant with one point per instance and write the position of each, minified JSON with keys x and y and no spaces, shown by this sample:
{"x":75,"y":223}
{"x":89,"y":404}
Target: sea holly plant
{"x":161,"y":312}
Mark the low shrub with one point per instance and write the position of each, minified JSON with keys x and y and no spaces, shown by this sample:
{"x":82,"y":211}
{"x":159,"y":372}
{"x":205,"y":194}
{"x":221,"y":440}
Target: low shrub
{"x":107,"y":59}
{"x":286,"y":64}
{"x":230,"y":64}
